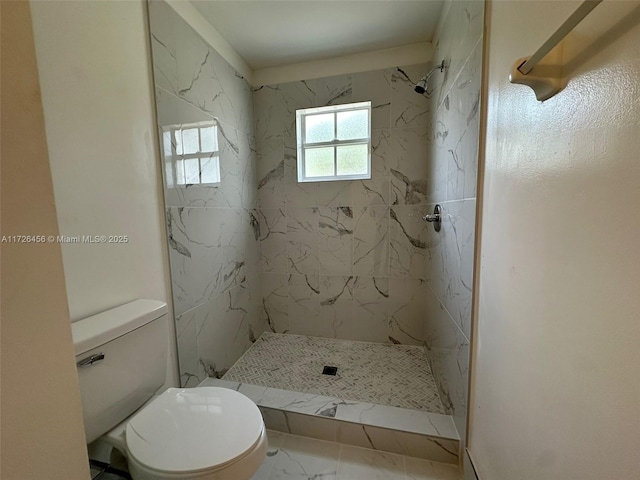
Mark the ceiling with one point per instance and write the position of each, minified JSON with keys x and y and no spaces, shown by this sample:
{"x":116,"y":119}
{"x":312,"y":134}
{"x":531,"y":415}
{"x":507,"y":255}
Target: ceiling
{"x":269,"y":33}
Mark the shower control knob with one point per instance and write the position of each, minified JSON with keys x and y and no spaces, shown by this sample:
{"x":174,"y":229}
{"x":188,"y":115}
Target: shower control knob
{"x":435,"y":218}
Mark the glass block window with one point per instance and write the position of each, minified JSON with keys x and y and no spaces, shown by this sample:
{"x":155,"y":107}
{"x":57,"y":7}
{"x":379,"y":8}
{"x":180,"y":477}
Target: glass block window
{"x":191,"y":154}
{"x":334,"y":143}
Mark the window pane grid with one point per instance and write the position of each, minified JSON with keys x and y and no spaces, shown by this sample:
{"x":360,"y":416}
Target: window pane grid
{"x":347,"y":155}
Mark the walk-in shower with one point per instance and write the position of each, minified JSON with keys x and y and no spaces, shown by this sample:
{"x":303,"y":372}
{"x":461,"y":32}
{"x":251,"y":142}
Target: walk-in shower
{"x":333,"y":305}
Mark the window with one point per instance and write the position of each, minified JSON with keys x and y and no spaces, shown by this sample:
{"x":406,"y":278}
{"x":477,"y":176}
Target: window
{"x":334,"y":143}
{"x":191,"y":154}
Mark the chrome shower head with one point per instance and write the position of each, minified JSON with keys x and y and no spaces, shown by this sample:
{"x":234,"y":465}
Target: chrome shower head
{"x":422,"y":86}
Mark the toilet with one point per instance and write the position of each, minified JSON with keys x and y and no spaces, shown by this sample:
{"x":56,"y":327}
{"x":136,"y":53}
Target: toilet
{"x":201,"y":433}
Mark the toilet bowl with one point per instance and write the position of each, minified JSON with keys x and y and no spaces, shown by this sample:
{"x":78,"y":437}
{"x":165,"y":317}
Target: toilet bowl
{"x":202,"y":433}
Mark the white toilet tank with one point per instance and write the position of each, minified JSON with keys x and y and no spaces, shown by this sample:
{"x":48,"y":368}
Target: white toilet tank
{"x":124,"y":353}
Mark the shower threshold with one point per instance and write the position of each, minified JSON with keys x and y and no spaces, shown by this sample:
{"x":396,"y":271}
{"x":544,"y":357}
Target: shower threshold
{"x":382,"y":396}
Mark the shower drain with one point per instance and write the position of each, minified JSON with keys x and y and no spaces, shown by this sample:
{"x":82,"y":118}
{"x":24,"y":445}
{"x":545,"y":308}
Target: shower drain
{"x":327,"y":370}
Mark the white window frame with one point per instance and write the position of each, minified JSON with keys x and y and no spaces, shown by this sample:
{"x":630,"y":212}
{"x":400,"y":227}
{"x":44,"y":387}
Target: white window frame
{"x":302,"y":144}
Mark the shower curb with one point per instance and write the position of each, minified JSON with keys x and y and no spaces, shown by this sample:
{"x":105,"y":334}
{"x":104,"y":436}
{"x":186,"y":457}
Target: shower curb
{"x":413,"y":433}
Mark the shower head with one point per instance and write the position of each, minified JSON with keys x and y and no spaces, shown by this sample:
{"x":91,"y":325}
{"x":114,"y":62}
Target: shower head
{"x":422,"y":86}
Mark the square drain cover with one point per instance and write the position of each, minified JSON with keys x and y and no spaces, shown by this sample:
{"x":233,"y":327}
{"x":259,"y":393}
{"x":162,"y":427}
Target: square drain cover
{"x":329,"y":370}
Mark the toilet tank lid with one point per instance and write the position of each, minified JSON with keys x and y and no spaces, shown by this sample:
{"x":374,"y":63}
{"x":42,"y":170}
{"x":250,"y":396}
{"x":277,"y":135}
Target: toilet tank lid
{"x":96,"y":330}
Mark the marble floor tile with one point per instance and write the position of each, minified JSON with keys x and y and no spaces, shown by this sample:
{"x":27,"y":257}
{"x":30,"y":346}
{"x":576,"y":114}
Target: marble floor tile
{"x":292,"y":457}
{"x":305,"y":458}
{"x":362,"y":463}
{"x":381,"y":374}
{"x":275,"y":443}
{"x":419,"y":469}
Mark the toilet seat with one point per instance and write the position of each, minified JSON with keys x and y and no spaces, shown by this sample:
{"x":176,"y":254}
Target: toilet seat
{"x":194,"y":431}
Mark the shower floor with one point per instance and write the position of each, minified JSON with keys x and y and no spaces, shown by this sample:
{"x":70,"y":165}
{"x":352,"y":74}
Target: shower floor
{"x":383,"y":374}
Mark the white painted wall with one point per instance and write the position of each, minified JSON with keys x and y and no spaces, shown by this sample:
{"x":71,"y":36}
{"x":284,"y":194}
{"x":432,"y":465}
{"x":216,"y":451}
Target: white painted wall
{"x":42,"y":431}
{"x":97,"y":93}
{"x":556,"y":387}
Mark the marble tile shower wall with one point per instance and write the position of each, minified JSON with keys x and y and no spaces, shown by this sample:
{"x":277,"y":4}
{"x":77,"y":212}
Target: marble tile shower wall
{"x":454,"y":149}
{"x":346,"y":259}
{"x":212,"y":228}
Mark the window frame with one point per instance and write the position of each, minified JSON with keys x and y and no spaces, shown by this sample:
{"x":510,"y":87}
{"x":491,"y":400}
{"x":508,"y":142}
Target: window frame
{"x":301,"y":116}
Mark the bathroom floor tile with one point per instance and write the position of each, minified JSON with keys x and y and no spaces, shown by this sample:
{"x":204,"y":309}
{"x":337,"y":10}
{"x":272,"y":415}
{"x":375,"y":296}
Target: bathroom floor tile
{"x":370,"y":464}
{"x":302,"y":457}
{"x":275,"y":444}
{"x":294,"y":457}
{"x":419,"y":469}
{"x":381,"y":374}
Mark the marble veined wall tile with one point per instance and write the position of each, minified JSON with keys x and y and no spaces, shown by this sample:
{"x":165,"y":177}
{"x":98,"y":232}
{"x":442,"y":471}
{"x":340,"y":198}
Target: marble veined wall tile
{"x":454,"y":154}
{"x":237,"y":186}
{"x":341,"y":229}
{"x":408,"y":108}
{"x":374,"y":191}
{"x":213,"y":229}
{"x":406,"y":311}
{"x":191,"y":374}
{"x":270,"y":173}
{"x":461,"y":115}
{"x":275,"y":301}
{"x":208,"y":82}
{"x":333,"y":194}
{"x":370,"y":310}
{"x":234,"y":156}
{"x":302,"y":241}
{"x":297,"y":194}
{"x":443,"y":269}
{"x":371,"y":241}
{"x":408,"y":241}
{"x":251,"y":235}
{"x":273,"y":240}
{"x":195,"y":259}
{"x":304,"y":306}
{"x":163,"y":20}
{"x":448,"y":350}
{"x":451,"y":270}
{"x":374,"y":87}
{"x":442,"y":158}
{"x":233,"y":100}
{"x":276,"y":105}
{"x":461,"y":31}
{"x":409,"y":166}
{"x":333,"y":90}
{"x":226,"y":328}
{"x":231,"y":232}
{"x":335,"y":240}
{"x":336,"y":305}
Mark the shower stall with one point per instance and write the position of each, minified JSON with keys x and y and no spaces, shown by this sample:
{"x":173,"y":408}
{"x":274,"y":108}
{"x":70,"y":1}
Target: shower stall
{"x":333,"y":305}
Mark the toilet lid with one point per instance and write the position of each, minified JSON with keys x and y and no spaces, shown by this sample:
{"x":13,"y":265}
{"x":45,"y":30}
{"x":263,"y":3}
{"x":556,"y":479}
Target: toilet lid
{"x":192,"y":429}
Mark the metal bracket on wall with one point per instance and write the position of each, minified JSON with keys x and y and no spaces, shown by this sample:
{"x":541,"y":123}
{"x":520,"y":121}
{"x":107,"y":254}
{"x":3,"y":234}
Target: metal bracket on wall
{"x":545,"y":81}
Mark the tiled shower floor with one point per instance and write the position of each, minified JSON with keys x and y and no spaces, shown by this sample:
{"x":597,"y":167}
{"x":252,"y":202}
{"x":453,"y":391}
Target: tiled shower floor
{"x":383,"y":374}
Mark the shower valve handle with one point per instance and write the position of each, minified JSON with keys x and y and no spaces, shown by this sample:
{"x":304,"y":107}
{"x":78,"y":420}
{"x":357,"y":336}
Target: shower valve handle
{"x":435,"y":218}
